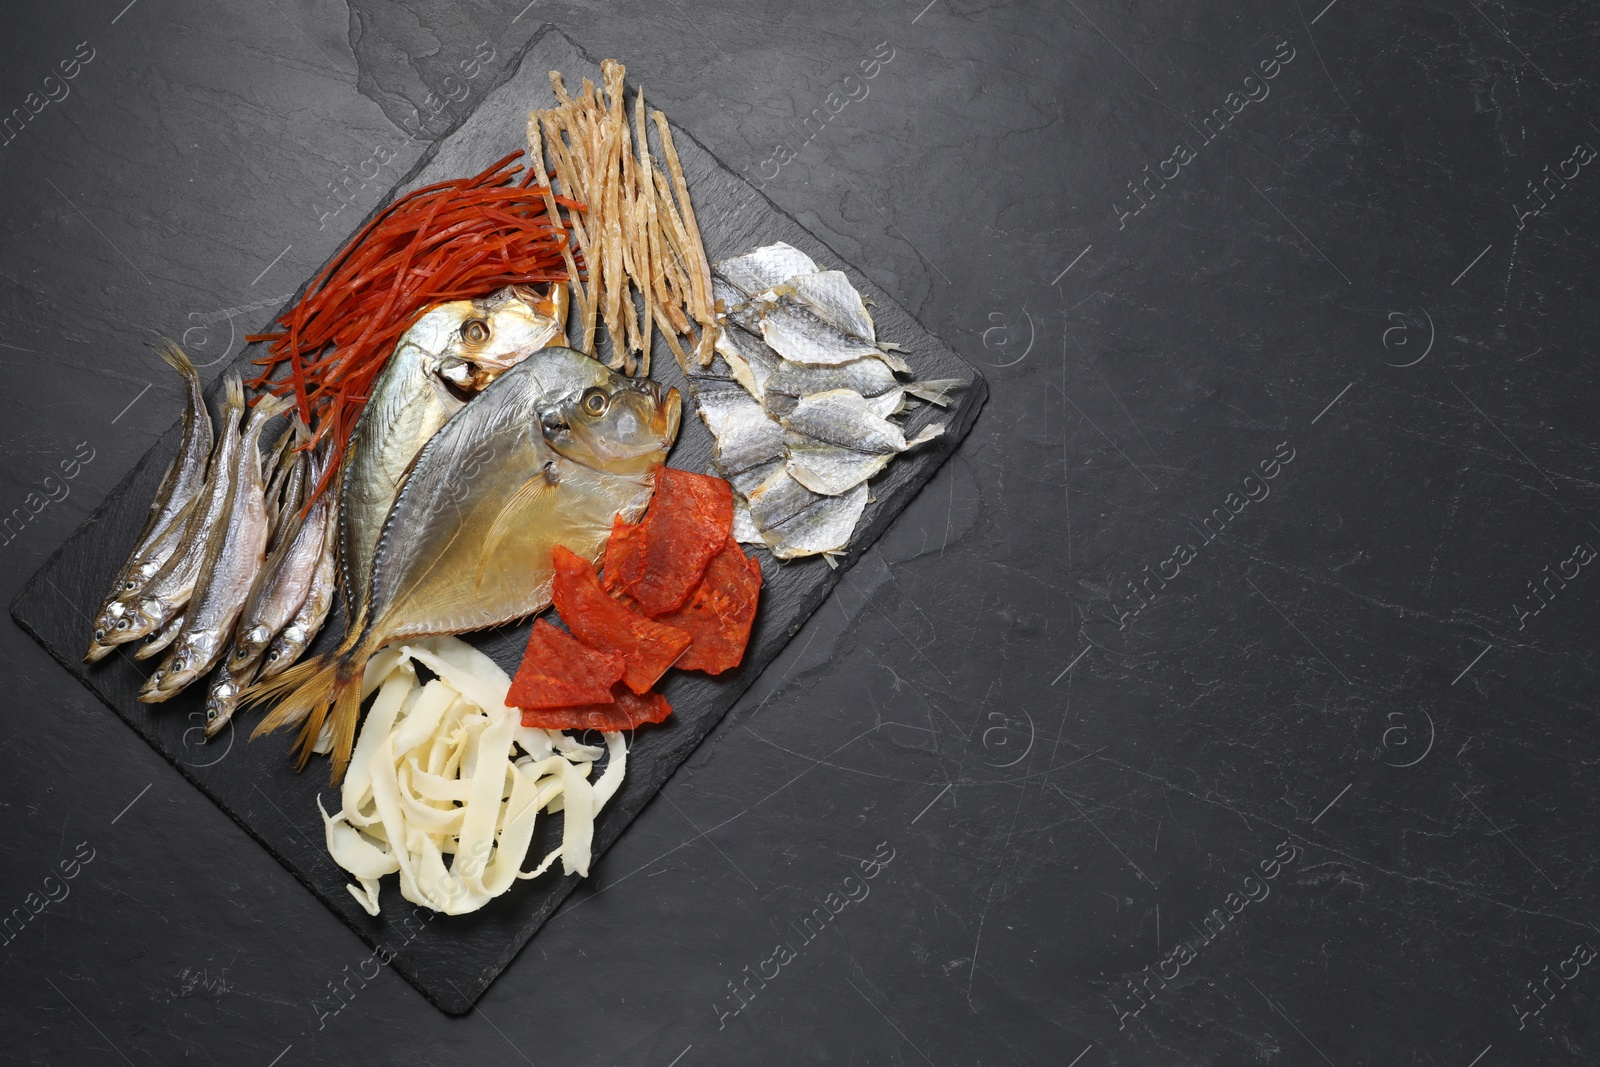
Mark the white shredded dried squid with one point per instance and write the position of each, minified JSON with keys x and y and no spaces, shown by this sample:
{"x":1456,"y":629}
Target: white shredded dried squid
{"x":445,"y":783}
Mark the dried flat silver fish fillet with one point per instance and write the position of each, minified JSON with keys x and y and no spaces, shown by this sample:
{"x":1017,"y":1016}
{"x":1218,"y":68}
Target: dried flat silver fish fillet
{"x":763,"y":268}
{"x":796,"y":522}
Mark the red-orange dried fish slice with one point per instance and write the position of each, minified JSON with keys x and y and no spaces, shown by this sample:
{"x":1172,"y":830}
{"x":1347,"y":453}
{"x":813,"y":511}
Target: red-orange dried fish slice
{"x":558,"y":671}
{"x":624,"y":556}
{"x":626,"y":711}
{"x":719,"y":612}
{"x":689,"y":518}
{"x":604,"y":623}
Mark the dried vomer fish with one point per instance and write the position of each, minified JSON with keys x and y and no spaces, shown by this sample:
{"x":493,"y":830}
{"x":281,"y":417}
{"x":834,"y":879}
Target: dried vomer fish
{"x":454,"y":349}
{"x":562,"y":445}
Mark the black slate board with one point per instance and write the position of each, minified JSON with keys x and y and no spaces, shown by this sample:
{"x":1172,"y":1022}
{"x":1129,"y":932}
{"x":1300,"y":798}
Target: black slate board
{"x":453,"y":960}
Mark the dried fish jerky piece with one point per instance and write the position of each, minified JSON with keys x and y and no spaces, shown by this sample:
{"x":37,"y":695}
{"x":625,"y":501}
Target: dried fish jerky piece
{"x":625,"y":711}
{"x":719,"y":613}
{"x":558,"y":671}
{"x":606,"y":624}
{"x":624,"y":562}
{"x":689,"y":518}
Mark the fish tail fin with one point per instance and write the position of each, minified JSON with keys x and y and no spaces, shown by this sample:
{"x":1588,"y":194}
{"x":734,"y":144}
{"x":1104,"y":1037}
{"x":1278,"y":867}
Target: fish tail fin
{"x":938,"y":391}
{"x":896,"y":364}
{"x":173,"y":356}
{"x":266,"y":406}
{"x":346,"y":714}
{"x":297,"y":694}
{"x":306,"y":693}
{"x":233,"y":391}
{"x":926,"y":435}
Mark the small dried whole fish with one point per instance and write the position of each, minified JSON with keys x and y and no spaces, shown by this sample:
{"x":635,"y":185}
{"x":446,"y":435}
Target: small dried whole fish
{"x":561,"y":446}
{"x":156,"y":642}
{"x":283,"y":461}
{"x":795,"y":334}
{"x":232,"y":557}
{"x":747,"y":437}
{"x":280,"y":588}
{"x":169,"y":591}
{"x":821,"y":391}
{"x":297,"y":636}
{"x":765,"y":268}
{"x":182,"y":484}
{"x":829,"y":296}
{"x":455,"y":346}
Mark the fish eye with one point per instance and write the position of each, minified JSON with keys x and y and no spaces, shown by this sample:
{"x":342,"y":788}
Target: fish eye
{"x":127,"y":586}
{"x":272,"y":657}
{"x":122,"y":624}
{"x":594,"y":402}
{"x":98,"y":634}
{"x":475,"y":330}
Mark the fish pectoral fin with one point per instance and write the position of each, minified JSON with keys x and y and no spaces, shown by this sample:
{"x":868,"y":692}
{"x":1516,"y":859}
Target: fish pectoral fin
{"x":526,"y":494}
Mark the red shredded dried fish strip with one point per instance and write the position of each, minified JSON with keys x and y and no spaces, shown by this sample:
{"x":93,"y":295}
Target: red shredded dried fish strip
{"x":604,"y":623}
{"x":449,"y":241}
{"x":558,"y":671}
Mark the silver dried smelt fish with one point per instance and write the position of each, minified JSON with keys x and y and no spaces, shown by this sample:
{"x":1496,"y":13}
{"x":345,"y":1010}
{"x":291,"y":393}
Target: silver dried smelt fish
{"x":280,"y":589}
{"x":232,"y":557}
{"x":163,"y":531}
{"x":156,"y":642}
{"x":167,"y":594}
{"x":297,"y":636}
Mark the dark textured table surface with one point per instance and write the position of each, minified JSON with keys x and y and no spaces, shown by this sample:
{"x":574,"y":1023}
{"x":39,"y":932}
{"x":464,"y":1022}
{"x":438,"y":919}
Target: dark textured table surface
{"x":1227,"y":698}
